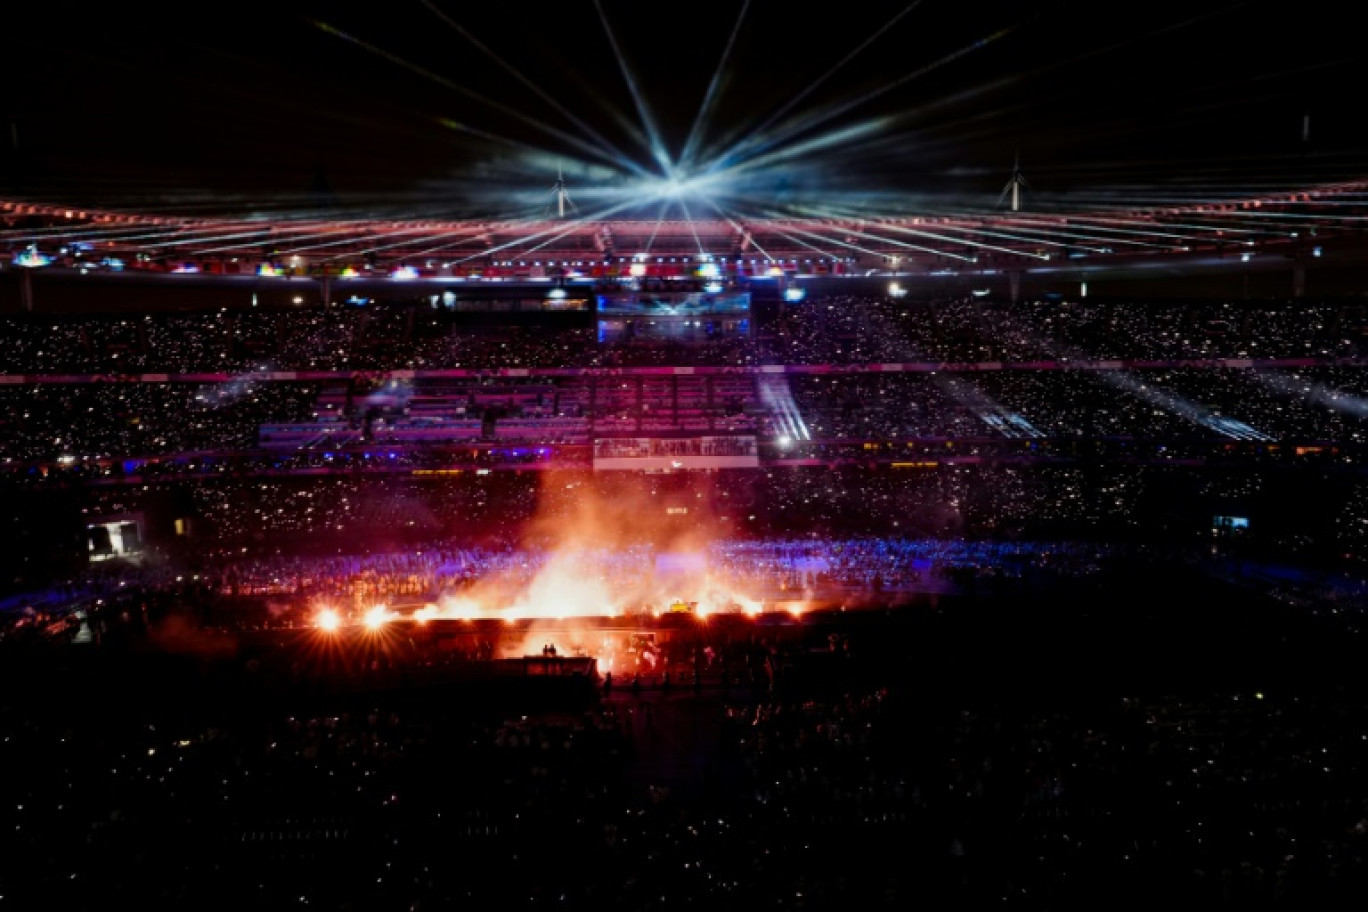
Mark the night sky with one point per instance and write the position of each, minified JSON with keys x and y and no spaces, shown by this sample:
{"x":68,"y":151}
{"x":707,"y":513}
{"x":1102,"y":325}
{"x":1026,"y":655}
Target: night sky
{"x":438,"y":107}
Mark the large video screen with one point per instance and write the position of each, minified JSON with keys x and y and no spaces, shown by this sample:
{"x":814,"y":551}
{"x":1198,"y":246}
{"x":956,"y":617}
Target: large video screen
{"x":109,"y":540}
{"x":674,"y":304}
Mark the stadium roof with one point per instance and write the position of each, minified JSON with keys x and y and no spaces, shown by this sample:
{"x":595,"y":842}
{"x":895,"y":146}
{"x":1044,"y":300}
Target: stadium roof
{"x":1294,"y":223}
{"x":876,"y":136}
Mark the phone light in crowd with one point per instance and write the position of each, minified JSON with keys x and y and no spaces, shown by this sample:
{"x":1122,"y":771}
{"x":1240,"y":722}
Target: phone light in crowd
{"x":404,"y":273}
{"x":794,"y":293}
{"x":328,"y":620}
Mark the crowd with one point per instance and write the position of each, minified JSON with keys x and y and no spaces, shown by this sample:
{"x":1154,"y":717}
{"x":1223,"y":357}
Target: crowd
{"x":1007,"y":753}
{"x":103,"y":428}
{"x":121,"y":429}
{"x":1289,"y":405}
{"x":933,"y":498}
{"x":736,"y":576}
{"x":62,"y":423}
{"x":831,"y":328}
{"x":866,"y":329}
{"x":1050,"y":683}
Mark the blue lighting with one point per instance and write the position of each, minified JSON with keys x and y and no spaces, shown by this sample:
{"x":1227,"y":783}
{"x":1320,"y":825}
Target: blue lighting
{"x":32,"y":258}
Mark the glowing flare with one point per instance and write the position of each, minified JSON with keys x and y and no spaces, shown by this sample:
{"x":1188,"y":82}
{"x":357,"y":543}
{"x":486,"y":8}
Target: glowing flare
{"x":377,"y":617}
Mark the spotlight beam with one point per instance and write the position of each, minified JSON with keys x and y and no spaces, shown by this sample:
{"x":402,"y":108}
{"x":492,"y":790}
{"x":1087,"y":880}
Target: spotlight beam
{"x":264,"y":233}
{"x":370,"y":250}
{"x":775,"y":157}
{"x":360,"y":236}
{"x":689,"y":220}
{"x":1322,"y":394}
{"x":589,"y":131}
{"x":1181,"y":406}
{"x":578,"y":143}
{"x":75,"y":232}
{"x":655,"y":229}
{"x":812,"y":86}
{"x":874,"y":237}
{"x":759,"y":142}
{"x":304,"y":237}
{"x":939,"y":237}
{"x":1016,"y":237}
{"x":917,"y":232}
{"x":574,"y":225}
{"x":168,"y":231}
{"x":802,"y":243}
{"x":1151,"y":233}
{"x":1057,"y":233}
{"x":695,"y":131}
{"x":737,"y":226}
{"x":657,"y":148}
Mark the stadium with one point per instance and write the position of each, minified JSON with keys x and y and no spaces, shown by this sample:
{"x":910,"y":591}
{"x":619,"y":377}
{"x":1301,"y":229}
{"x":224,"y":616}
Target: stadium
{"x":692,"y":527}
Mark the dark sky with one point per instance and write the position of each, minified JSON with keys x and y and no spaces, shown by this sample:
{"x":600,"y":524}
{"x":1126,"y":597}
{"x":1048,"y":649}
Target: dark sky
{"x":469,"y":108}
